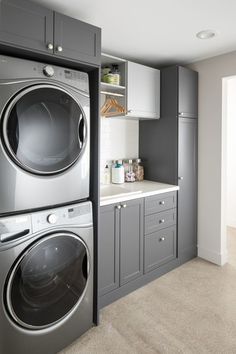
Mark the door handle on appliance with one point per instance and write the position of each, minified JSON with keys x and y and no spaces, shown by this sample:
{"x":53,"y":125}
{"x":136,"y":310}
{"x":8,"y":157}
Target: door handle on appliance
{"x":82,"y":132}
{"x":10,"y":236}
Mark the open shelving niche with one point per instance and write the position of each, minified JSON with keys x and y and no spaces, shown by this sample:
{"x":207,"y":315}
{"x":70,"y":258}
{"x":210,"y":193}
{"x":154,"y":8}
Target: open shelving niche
{"x":115,"y":91}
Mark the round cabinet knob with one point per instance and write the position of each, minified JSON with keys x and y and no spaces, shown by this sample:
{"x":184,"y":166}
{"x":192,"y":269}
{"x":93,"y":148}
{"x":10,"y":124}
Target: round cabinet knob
{"x":161,"y":221}
{"x":59,"y":49}
{"x":118,"y":207}
{"x":48,"y":71}
{"x":162,"y":202}
{"x":124,"y":206}
{"x":162,"y":239}
{"x":50,"y":46}
{"x":52,"y":218}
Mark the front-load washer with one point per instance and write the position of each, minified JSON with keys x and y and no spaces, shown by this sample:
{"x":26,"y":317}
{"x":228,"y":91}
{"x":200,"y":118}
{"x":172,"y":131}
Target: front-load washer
{"x":46,"y":279}
{"x":45,"y":135}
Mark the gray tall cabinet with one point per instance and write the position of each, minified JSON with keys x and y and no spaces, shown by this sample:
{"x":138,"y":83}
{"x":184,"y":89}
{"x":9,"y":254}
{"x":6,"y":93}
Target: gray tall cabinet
{"x":168,"y":148}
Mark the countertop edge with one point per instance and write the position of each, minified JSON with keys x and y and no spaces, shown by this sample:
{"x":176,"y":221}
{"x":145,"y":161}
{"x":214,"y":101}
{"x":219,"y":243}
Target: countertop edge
{"x":137,"y":195}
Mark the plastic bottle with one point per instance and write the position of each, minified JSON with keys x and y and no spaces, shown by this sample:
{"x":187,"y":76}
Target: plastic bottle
{"x":138,"y":170}
{"x":118,"y":175}
{"x":107,"y":175}
{"x":130,"y":175}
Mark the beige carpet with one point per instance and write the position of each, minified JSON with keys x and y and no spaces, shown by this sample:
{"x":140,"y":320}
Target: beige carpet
{"x":189,"y":310}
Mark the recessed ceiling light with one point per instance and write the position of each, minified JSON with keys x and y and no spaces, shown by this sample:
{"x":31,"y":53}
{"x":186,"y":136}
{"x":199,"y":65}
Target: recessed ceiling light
{"x":206,"y":34}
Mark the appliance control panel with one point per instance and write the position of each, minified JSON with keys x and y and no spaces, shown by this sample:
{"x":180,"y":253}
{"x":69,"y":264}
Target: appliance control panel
{"x":76,"y":215}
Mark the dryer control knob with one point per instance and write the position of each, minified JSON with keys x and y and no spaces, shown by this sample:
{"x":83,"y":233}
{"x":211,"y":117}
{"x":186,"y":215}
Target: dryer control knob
{"x":48,"y":70}
{"x":52,"y":218}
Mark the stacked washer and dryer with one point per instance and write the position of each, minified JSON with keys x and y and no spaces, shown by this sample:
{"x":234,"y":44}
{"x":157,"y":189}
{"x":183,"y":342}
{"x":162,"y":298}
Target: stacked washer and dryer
{"x":46,"y":228}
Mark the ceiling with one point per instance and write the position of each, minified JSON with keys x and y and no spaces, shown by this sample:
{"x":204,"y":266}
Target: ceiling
{"x":157,"y":32}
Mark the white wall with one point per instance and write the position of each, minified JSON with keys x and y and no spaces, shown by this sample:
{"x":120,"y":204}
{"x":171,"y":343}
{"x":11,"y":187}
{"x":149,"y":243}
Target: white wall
{"x":119,"y":139}
{"x":212,"y":157}
{"x":230,"y":96}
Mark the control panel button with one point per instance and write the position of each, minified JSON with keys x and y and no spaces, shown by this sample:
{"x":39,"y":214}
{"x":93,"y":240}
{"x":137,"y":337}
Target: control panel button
{"x":48,"y":70}
{"x":52,"y":218}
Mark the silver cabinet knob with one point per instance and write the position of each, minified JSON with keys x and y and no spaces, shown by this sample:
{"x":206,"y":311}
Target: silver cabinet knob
{"x":181,"y":178}
{"x":50,"y":46}
{"x":59,"y":48}
{"x":52,"y":218}
{"x":162,"y":238}
{"x":162,"y":202}
{"x":118,"y":207}
{"x":161,"y":221}
{"x":124,"y":206}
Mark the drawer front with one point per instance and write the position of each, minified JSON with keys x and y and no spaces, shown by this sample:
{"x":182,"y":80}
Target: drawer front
{"x":160,"y":202}
{"x":156,"y":222}
{"x":159,"y":248}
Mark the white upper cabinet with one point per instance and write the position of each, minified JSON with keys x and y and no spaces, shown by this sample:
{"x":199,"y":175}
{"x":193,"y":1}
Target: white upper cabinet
{"x":143,"y":91}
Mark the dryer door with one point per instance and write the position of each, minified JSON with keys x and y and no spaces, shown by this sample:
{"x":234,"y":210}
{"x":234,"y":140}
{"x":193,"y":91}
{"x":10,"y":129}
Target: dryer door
{"x":48,"y":281}
{"x":44,"y":129}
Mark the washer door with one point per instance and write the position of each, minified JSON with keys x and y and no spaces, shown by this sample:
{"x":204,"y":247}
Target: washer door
{"x":48,"y":281}
{"x":44,"y":129}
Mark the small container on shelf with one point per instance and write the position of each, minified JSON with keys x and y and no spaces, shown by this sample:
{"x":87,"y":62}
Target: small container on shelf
{"x":107,"y":175}
{"x":138,"y":170}
{"x":130,"y":175}
{"x":118,"y":176}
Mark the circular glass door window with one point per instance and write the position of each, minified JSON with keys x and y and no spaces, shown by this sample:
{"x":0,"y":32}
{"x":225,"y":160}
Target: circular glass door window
{"x":44,"y":129}
{"x":48,"y":281}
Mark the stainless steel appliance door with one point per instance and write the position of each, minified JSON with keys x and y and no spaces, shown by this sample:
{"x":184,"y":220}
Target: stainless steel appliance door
{"x":44,"y":129}
{"x":48,"y":281}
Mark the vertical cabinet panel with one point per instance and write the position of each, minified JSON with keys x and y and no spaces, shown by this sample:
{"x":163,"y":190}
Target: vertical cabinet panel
{"x":131,"y":241}
{"x":187,"y":195}
{"x":25,"y":24}
{"x":188,"y":93}
{"x":108,"y":250}
{"x":143,"y":95}
{"x":78,"y":40}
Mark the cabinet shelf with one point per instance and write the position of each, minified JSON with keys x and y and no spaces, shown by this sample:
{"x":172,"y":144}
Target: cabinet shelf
{"x":112,"y":87}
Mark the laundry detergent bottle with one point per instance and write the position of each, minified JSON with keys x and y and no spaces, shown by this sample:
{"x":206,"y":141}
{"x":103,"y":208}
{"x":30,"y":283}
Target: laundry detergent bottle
{"x":118,"y":173}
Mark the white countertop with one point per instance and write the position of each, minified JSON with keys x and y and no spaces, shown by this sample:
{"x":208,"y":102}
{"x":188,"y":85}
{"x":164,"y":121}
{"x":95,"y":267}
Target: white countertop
{"x":116,"y":193}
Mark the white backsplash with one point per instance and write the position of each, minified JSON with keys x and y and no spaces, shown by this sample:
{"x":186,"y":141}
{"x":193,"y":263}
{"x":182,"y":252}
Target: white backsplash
{"x":119,"y":140}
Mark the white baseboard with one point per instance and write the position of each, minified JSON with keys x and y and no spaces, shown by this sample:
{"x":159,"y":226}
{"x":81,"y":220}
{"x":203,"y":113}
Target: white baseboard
{"x":231,"y":223}
{"x":213,"y":257}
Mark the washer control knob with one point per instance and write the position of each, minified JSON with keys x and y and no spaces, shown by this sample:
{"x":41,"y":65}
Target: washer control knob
{"x":52,"y":218}
{"x":48,"y":71}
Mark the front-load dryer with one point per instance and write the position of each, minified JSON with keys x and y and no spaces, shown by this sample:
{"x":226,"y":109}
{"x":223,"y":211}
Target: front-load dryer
{"x":46,"y":279}
{"x":45,"y":135}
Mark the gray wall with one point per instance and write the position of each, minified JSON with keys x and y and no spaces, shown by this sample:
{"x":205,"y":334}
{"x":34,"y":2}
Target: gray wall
{"x":212,"y":165}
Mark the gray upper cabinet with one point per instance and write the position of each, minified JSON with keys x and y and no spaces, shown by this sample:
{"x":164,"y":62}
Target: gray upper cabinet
{"x":108,"y":250}
{"x":143,"y":91}
{"x":30,"y":26}
{"x":131,"y":240}
{"x":25,"y":24}
{"x":75,"y":39}
{"x":188,"y":92}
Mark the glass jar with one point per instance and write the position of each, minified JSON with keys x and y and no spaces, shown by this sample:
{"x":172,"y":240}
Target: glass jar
{"x":138,"y":170}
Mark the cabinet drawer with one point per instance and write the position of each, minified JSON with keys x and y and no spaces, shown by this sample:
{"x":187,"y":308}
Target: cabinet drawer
{"x":159,"y":248}
{"x":160,"y":202}
{"x":156,"y":222}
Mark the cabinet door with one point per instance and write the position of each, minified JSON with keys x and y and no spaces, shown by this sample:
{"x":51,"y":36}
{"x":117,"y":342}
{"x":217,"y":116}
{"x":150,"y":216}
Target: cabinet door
{"x":108,"y":250}
{"x":78,"y":40}
{"x":143,"y":91}
{"x":188,"y":93}
{"x":187,"y":195}
{"x":25,"y":24}
{"x":131,"y":240}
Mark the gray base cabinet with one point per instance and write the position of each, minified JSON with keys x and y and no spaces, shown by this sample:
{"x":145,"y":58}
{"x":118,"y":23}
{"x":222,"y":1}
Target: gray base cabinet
{"x":131,"y":251}
{"x":120,"y":246}
{"x":29,"y":26}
